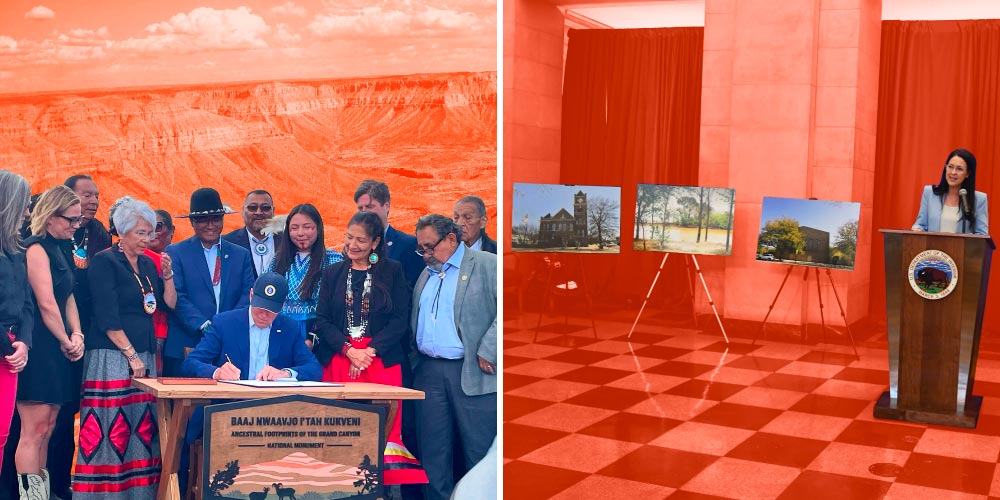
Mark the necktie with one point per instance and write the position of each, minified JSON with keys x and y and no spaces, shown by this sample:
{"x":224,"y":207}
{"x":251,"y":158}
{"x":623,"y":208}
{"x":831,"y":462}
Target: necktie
{"x":217,"y":275}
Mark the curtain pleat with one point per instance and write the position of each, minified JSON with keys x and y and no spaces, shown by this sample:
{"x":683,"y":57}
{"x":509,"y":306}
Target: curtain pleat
{"x":631,"y":114}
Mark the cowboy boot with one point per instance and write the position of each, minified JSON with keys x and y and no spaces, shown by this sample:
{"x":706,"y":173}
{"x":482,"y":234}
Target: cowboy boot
{"x":31,"y":487}
{"x":48,"y":484}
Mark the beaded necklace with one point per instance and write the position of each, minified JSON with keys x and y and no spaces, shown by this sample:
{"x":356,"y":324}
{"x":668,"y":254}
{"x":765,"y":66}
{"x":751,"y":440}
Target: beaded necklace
{"x":356,"y":331}
{"x":80,"y":251}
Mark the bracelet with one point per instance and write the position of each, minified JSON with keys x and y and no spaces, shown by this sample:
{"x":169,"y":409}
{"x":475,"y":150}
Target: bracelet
{"x":77,"y":334}
{"x":168,"y":278}
{"x":126,"y":348}
{"x":134,"y":356}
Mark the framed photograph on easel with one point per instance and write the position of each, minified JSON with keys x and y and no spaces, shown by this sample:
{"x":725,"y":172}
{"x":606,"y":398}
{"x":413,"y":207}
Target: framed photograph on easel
{"x":564,"y":218}
{"x":815,"y":233}
{"x":684,"y":219}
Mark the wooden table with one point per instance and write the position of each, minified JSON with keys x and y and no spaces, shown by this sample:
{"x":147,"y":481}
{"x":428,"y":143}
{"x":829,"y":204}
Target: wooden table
{"x":173,"y":421}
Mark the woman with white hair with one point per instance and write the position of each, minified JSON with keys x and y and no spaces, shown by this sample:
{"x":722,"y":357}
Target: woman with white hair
{"x":16,"y":304}
{"x":119,"y":448}
{"x":46,"y":383}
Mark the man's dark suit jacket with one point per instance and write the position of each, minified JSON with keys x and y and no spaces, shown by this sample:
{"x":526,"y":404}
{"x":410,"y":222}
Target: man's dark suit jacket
{"x":195,"y":296}
{"x":98,"y":239}
{"x":402,"y":248}
{"x":489,"y":245}
{"x":241,"y":238}
{"x":388,"y":319}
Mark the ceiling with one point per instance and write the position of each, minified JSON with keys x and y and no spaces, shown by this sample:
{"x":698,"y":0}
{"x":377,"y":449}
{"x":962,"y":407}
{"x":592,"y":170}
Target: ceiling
{"x":676,"y":13}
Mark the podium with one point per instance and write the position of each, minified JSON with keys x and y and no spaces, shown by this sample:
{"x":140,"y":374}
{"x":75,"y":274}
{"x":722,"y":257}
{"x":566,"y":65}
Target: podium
{"x":935,"y":297}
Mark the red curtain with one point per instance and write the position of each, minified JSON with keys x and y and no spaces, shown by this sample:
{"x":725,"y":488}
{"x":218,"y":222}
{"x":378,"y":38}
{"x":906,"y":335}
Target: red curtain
{"x":939,"y":89}
{"x":631,"y":114}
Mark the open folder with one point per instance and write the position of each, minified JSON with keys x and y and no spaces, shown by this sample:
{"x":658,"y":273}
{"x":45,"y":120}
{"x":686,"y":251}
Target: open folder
{"x":281,"y":382}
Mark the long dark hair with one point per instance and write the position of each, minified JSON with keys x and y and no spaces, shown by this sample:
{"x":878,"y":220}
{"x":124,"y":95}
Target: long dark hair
{"x":285,"y":252}
{"x":969,"y":184}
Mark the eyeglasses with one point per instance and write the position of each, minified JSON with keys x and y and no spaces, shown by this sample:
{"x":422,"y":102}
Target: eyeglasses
{"x":217,"y":219}
{"x":159,"y":227}
{"x":73,"y":221}
{"x":956,"y":168}
{"x":423,"y":251}
{"x":259,"y":208}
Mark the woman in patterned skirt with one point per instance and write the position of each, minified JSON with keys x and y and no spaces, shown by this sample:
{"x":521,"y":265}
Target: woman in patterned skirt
{"x":298,"y":251}
{"x":363,"y":313}
{"x":119,"y":453}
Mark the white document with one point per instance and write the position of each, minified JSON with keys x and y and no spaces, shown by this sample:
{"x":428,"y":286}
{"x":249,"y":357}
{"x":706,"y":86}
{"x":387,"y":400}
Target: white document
{"x":281,"y":382}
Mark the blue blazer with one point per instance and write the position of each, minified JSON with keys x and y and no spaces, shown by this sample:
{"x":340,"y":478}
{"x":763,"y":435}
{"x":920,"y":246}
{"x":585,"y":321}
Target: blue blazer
{"x":402,"y":248}
{"x":929,"y":217}
{"x":230,"y":334}
{"x":195,"y":297}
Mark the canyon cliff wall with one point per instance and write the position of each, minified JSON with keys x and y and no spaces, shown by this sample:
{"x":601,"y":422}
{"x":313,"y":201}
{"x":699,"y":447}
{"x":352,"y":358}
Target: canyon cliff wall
{"x":432,"y":138}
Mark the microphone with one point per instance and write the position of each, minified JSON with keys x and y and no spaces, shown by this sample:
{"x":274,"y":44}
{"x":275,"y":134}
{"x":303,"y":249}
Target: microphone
{"x":965,"y":202}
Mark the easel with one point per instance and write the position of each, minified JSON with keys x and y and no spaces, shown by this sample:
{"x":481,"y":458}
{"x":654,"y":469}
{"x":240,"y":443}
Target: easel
{"x":553,"y":264}
{"x":819,"y":293}
{"x":704,"y":285}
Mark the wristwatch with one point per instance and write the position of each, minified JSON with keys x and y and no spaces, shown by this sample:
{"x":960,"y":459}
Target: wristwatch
{"x":205,"y":325}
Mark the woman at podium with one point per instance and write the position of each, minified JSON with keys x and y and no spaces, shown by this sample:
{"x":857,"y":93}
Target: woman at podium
{"x":954,"y":205}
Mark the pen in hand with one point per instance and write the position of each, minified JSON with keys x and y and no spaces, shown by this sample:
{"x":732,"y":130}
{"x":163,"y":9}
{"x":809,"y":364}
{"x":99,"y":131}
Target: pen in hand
{"x":227,"y":371}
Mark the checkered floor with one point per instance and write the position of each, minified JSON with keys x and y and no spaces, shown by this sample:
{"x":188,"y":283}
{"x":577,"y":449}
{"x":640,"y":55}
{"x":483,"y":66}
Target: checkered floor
{"x":674,"y":413}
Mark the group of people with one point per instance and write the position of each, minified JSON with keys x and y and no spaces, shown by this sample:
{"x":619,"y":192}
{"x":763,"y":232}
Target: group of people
{"x":83,"y":316}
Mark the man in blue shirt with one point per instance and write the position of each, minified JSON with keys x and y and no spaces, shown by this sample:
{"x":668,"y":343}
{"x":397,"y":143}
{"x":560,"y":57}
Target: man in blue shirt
{"x":454,"y":317}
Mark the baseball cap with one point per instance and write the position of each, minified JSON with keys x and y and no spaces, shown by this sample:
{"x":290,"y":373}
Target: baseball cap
{"x":269,"y":292}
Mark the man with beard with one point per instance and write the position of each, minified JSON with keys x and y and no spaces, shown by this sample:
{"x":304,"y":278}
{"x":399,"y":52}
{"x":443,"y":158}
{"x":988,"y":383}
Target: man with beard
{"x":457,"y":373}
{"x":211,"y":275}
{"x":258,"y":208}
{"x":470,"y":214}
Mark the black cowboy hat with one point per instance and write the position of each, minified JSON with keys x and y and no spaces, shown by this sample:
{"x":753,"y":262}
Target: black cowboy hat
{"x":206,"y":202}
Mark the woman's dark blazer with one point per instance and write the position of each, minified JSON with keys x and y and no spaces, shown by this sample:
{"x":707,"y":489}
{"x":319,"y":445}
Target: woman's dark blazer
{"x":387,"y":320}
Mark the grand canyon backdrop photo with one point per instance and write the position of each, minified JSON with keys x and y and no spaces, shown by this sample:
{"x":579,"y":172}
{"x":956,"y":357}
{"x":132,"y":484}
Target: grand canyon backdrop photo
{"x":304,"y":99}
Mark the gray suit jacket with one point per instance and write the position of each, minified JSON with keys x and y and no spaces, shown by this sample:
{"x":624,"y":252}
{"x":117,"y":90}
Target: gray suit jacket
{"x":475,"y":319}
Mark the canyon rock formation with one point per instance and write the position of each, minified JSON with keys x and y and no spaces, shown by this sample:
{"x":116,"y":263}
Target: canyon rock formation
{"x":432,"y":138}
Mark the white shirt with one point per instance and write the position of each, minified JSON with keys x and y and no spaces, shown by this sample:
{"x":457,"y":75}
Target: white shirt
{"x":210,"y":255}
{"x":478,"y":245}
{"x":949,"y":219}
{"x":260,"y":262}
{"x":259,"y":355}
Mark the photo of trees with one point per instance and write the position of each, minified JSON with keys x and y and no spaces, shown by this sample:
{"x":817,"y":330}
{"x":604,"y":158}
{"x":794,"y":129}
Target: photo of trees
{"x":816,"y":233}
{"x":684,"y":219}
